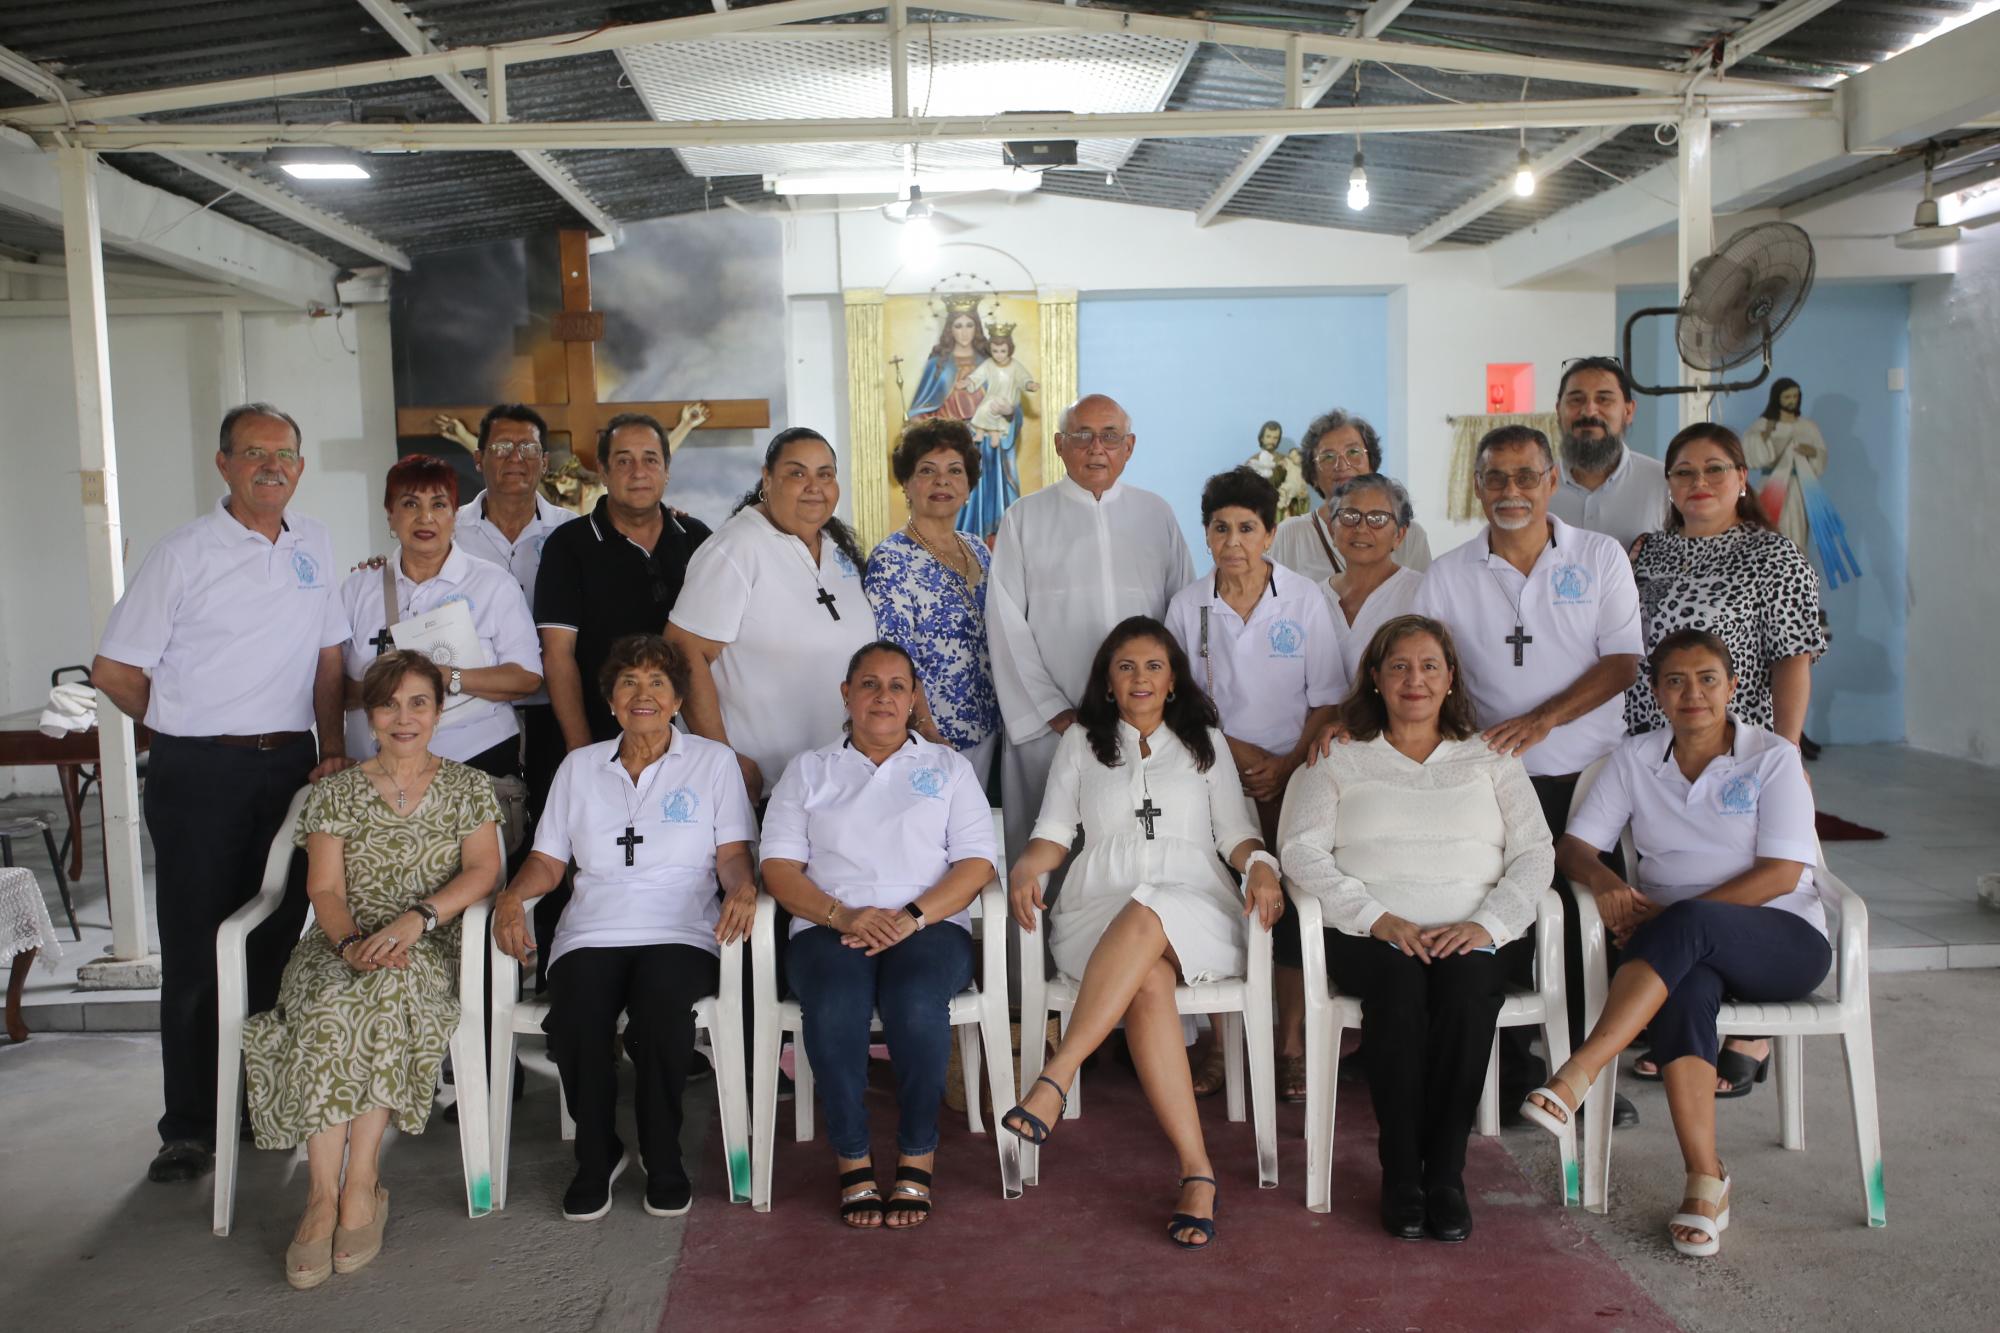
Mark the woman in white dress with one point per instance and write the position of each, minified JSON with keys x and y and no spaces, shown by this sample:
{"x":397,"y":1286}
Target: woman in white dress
{"x":1147,"y":905}
{"x":1372,"y":517}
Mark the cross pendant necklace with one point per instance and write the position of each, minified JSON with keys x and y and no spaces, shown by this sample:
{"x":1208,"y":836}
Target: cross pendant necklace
{"x":630,"y":840}
{"x":1520,"y":637}
{"x":402,"y":798}
{"x":1147,"y":811}
{"x":632,"y":836}
{"x":825,"y":598}
{"x":383,"y":641}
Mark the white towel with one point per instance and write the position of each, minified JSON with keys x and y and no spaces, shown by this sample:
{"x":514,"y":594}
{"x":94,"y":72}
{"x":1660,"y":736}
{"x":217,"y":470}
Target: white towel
{"x":71,"y":708}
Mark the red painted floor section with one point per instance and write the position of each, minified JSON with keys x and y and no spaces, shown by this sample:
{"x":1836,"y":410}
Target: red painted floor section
{"x":1087,"y":1248}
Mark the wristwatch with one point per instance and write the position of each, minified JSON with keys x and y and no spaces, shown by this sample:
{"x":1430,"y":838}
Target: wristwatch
{"x":429,"y":914}
{"x":916,"y":914}
{"x":457,"y":682}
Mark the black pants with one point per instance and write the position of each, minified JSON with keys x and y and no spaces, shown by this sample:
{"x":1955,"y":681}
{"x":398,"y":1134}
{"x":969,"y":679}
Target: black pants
{"x":211,"y":811}
{"x":1430,"y":1030}
{"x":657,"y":985}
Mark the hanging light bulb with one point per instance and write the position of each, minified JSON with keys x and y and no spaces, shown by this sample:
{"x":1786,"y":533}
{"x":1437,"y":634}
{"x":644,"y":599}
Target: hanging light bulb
{"x":1357,"y":185}
{"x":1524,"y":175}
{"x":919,"y":240}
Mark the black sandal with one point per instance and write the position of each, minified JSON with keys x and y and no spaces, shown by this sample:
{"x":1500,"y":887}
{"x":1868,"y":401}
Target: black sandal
{"x":1741,"y":1071}
{"x":1031,"y":1129}
{"x":907,"y":1199}
{"x":1185,"y":1222}
{"x":867,"y":1200}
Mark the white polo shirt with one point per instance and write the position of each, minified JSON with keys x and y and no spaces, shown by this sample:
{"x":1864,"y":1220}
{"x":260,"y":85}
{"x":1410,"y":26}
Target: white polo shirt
{"x":521,"y":557}
{"x":1691,"y":836}
{"x":754,"y":588}
{"x":229,"y":626}
{"x":1578,"y":604}
{"x":1265,"y":674}
{"x":499,"y":615}
{"x":1394,"y":598}
{"x":879,"y":836}
{"x":1632,"y":500}
{"x":685,"y":804}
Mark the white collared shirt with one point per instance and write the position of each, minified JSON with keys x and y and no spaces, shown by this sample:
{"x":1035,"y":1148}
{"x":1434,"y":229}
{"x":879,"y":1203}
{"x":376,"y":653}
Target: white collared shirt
{"x":753,"y":588}
{"x":1578,"y":604}
{"x":521,"y":557}
{"x":1067,"y":567}
{"x":229,"y":625}
{"x":879,"y":836}
{"x":499,"y":615}
{"x":1749,"y":802}
{"x":1265,"y":674}
{"x":685,"y":804}
{"x":1301,"y":543}
{"x":1395,"y":597}
{"x":1632,"y":500}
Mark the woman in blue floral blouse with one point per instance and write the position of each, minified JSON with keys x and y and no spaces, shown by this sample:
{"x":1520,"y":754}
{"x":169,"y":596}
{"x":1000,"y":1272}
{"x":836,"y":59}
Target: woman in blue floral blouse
{"x":927,"y":582}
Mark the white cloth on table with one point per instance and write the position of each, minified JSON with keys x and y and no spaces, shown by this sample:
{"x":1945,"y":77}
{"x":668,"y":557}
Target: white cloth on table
{"x":1301,"y":541}
{"x":24,"y":918}
{"x":1460,"y":837}
{"x":1174,"y":872}
{"x":1395,"y":597}
{"x":72,"y":708}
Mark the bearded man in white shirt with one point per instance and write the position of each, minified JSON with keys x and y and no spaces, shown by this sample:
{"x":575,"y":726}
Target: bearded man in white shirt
{"x":1070,"y":562}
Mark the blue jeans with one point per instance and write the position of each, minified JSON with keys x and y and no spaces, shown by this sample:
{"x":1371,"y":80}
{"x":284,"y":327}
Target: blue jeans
{"x":1706,"y":950}
{"x":911,"y":987}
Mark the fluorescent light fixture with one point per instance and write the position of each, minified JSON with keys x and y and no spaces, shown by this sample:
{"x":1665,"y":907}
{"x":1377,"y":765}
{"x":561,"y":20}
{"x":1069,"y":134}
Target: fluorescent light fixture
{"x":1357,"y":185}
{"x":318,"y":164}
{"x":1524,"y":177}
{"x":894,"y":180}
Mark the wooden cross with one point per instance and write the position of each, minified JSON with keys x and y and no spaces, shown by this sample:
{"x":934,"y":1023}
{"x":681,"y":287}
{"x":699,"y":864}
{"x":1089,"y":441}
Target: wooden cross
{"x":825,"y":599}
{"x":1518,"y":638}
{"x":572,"y":409}
{"x":1147,"y":814}
{"x":628,"y":842}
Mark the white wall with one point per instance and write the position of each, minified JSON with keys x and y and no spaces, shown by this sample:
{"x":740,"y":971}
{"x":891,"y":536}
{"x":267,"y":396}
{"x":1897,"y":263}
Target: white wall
{"x":1954,"y":623}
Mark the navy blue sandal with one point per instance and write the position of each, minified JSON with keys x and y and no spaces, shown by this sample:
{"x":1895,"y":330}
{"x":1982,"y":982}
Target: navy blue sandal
{"x":1183,"y":1222}
{"x":1027,"y":1126}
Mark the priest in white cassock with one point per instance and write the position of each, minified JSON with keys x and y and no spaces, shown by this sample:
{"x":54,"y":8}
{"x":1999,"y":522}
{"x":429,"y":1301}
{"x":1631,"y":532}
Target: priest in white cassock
{"x":1546,"y":621}
{"x":1070,"y":562}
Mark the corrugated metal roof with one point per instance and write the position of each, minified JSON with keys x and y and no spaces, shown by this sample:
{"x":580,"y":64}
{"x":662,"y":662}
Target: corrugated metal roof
{"x":425,"y":203}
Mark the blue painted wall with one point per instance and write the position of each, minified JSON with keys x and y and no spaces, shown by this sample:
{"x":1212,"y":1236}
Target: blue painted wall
{"x":1200,"y":374}
{"x":1840,"y":350}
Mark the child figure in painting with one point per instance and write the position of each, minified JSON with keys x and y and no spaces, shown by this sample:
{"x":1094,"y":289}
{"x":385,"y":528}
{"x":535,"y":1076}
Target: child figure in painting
{"x":1002,"y":383}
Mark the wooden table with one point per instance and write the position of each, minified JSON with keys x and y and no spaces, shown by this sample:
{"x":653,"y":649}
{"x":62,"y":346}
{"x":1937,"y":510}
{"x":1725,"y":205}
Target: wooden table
{"x":22,"y":745}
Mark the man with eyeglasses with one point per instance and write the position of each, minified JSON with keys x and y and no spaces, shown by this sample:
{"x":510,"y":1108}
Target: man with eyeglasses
{"x":1070,"y":562}
{"x":227,"y":644}
{"x":1603,"y":484}
{"x":1546,"y":620}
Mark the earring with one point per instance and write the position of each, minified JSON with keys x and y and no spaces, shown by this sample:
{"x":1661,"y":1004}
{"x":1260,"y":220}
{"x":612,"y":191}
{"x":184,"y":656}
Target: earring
{"x":1170,"y":696}
{"x":761,"y":497}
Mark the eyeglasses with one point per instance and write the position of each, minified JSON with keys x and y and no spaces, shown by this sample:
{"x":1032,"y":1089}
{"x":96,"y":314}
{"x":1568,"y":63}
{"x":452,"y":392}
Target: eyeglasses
{"x":1526,"y":478}
{"x":527,"y":449}
{"x":1354,"y":518}
{"x":1354,"y":454}
{"x":1084,"y":439}
{"x":1710,"y":472}
{"x":255,"y":454}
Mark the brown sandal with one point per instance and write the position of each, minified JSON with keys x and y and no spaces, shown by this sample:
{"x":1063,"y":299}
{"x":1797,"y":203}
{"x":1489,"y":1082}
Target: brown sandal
{"x":1212,"y":1074}
{"x":1291,"y":1078}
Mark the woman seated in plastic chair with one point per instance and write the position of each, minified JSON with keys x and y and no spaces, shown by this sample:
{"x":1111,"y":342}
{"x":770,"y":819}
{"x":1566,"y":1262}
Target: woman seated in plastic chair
{"x":1722,"y":820}
{"x":1145,"y":770}
{"x":877,"y":844}
{"x":1427,"y":851}
{"x":396,"y":849}
{"x":654,"y":821}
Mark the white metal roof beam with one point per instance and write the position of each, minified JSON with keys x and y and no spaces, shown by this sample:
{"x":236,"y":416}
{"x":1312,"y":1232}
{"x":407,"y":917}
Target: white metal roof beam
{"x":400,"y":24}
{"x":1379,"y":16}
{"x":1766,"y":28}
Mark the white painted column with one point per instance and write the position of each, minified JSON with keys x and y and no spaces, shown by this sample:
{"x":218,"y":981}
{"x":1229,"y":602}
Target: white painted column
{"x":1697,"y":232}
{"x":90,"y":362}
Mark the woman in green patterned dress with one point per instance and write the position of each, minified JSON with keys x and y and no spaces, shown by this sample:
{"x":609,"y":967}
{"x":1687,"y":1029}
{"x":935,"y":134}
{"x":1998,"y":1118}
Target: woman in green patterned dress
{"x":396,"y":848}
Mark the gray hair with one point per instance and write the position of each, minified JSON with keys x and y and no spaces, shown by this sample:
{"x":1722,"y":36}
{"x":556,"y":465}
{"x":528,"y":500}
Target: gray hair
{"x":1399,"y":495}
{"x":1328,"y":422}
{"x":240,"y":412}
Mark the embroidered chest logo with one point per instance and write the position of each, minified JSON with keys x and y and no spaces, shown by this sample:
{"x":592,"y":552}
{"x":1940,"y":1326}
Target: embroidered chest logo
{"x":928,"y":782}
{"x":306,"y":568}
{"x":540,"y":542}
{"x":1570,"y":585}
{"x":845,"y":565}
{"x":1288,"y":638}
{"x":1739,"y":794}
{"x":449,"y":598}
{"x":679,"y":806}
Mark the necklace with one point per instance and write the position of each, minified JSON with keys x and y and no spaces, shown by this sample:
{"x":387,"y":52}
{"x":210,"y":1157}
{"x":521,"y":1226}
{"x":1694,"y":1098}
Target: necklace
{"x":632,"y":837}
{"x":825,"y":598}
{"x":964,"y":585}
{"x":402,"y":798}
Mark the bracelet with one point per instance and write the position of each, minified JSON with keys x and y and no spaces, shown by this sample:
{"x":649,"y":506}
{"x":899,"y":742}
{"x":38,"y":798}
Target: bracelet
{"x":831,"y":908}
{"x":348,"y":942}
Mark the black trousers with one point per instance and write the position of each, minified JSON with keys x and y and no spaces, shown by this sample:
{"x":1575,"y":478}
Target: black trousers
{"x":657,"y":986}
{"x":1430,"y":1030}
{"x":211,"y":811}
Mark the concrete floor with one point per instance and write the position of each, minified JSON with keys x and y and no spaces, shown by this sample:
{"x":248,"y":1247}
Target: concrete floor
{"x":87,"y":1244}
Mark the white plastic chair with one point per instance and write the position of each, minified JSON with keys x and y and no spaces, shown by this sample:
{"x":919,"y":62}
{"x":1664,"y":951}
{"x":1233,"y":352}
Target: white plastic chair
{"x":978,"y":1015}
{"x":1242,"y":1006}
{"x":468,"y":1043}
{"x":718,"y":1017}
{"x":1328,"y":1013}
{"x":1845,"y":1014}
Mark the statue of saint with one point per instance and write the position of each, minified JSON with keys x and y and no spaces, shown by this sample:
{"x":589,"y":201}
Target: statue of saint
{"x":1277,"y":461}
{"x":1791,"y":451}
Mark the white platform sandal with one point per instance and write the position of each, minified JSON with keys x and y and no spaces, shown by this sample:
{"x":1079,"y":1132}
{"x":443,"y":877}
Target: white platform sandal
{"x":1704,"y":1189}
{"x":1563,"y":1126}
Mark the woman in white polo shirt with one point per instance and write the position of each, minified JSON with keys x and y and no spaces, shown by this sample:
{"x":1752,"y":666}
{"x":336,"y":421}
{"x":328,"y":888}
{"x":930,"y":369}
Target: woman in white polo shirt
{"x":654,"y":821}
{"x":877,"y":844}
{"x":771,"y":608}
{"x":1725,"y":904}
{"x":430,"y":571}
{"x":1372,"y":517}
{"x":1261,"y":641}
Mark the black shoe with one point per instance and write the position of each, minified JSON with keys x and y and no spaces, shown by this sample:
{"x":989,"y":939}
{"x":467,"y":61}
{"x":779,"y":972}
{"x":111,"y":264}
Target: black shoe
{"x":589,"y":1195}
{"x":1403,"y":1211}
{"x":669,"y":1198}
{"x":183,"y":1159}
{"x":1624,"y":1115}
{"x":1447,"y":1216}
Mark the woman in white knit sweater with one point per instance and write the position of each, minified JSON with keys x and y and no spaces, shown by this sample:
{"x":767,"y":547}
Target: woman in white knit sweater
{"x":1427,"y":851}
